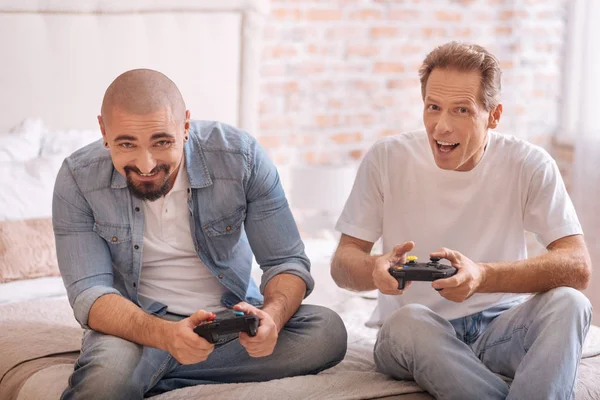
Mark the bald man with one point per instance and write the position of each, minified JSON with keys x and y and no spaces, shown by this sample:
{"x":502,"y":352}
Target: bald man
{"x":155,"y":229}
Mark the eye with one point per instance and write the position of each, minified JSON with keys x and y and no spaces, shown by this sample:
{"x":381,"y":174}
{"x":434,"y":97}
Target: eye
{"x":463,"y":110}
{"x":433,"y":107}
{"x":126,"y":145}
{"x":163,"y":143}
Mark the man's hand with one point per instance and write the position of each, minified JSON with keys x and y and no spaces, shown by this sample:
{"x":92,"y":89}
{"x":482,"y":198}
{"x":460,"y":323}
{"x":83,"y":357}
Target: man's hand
{"x":467,"y":280}
{"x":382,"y":278}
{"x":185,"y":345}
{"x":265,"y":340}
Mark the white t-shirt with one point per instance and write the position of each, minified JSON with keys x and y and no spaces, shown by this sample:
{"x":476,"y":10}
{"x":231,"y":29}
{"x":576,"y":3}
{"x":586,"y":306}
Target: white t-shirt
{"x":400,"y":194}
{"x":172,"y":273}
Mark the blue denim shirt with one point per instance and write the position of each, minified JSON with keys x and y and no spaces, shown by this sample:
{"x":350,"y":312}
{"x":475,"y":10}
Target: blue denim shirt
{"x":236,"y":206}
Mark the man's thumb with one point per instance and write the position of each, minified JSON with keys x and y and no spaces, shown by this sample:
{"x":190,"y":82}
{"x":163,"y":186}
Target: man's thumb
{"x":200,"y":316}
{"x":401,"y":249}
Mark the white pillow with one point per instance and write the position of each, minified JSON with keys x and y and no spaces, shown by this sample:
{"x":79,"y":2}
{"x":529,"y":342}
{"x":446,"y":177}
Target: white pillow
{"x":22,"y":142}
{"x":26,"y":187}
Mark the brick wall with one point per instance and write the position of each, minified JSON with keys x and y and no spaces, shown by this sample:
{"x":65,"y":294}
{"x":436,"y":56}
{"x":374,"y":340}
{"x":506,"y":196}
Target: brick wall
{"x":338,"y":74}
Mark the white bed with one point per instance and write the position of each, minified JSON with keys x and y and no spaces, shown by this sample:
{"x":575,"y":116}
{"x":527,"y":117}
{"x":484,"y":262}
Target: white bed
{"x":57,"y":59}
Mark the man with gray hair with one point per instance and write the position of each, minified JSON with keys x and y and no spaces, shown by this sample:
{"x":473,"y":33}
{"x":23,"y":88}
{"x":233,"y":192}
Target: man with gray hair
{"x":155,"y":228}
{"x":460,"y":191}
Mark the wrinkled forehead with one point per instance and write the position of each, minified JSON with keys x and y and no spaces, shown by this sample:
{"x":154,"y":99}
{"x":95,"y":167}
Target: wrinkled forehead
{"x":455,"y":85}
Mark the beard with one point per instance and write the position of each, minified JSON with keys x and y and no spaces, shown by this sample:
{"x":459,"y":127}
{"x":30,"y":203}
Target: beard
{"x":150,"y":191}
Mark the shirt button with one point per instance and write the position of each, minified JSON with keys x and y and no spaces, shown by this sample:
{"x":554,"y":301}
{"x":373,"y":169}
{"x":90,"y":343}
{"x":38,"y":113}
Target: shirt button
{"x":137,"y":209}
{"x":220,"y":276}
{"x":136,"y":247}
{"x":114,"y":239}
{"x":134,"y":284}
{"x":228,"y":228}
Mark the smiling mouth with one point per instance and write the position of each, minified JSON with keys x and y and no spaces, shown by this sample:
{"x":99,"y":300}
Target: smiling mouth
{"x":446,"y":147}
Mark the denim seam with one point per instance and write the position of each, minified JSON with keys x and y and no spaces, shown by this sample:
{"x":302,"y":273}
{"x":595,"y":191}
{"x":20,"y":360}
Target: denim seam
{"x":504,"y":339}
{"x":154,"y":380}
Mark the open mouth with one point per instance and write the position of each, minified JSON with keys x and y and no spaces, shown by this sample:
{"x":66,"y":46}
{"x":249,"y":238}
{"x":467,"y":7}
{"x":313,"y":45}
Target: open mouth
{"x":446,"y":147}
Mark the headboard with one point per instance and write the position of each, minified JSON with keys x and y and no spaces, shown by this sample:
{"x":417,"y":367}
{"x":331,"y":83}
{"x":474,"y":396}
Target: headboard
{"x":57,"y":57}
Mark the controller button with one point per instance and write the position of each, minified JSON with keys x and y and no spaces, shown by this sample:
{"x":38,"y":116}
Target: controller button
{"x":435,"y":259}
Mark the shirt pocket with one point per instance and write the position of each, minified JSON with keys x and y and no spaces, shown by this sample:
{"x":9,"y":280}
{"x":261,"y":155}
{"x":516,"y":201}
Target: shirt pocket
{"x":223,"y":234}
{"x":118,"y":240}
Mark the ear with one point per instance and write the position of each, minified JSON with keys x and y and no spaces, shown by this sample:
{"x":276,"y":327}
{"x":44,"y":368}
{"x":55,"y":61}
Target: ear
{"x":186,"y":125}
{"x":494,"y":118}
{"x":102,"y":129}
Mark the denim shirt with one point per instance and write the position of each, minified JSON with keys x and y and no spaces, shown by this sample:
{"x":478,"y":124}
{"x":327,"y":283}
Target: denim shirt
{"x":236,"y":206}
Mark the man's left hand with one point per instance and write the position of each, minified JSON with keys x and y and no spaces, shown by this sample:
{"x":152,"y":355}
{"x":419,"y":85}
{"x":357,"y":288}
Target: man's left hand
{"x":465,"y":282}
{"x":265,"y":340}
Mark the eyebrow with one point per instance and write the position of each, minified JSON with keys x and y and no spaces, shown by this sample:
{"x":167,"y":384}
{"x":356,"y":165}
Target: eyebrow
{"x":160,"y":135}
{"x":125,"y":137}
{"x":460,"y":102}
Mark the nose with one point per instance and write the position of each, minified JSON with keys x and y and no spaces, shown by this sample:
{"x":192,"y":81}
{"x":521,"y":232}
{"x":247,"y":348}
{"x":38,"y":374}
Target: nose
{"x":443,"y":125}
{"x":146,"y":163}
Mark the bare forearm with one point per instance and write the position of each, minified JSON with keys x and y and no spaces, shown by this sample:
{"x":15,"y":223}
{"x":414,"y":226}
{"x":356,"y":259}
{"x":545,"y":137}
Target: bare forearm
{"x":283,"y":296}
{"x":352,"y":268}
{"x":115,"y":315}
{"x":560,"y":267}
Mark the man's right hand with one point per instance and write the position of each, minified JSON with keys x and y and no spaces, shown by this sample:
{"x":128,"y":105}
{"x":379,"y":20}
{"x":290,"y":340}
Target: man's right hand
{"x":382,"y":278}
{"x":185,"y":345}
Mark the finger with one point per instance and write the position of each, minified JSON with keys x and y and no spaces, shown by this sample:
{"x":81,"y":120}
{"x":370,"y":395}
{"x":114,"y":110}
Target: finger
{"x":399,"y":250}
{"x":450,"y":255}
{"x":200,"y":316}
{"x":453,"y":281}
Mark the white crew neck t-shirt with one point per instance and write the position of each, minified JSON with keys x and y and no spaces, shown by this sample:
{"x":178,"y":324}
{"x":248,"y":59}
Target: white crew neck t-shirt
{"x":400,"y":194}
{"x":172,"y":273}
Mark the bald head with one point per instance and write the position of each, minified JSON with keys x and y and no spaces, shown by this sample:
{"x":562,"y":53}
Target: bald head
{"x":142,"y":92}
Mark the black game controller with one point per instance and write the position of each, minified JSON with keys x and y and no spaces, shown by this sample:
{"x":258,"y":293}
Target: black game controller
{"x":213,"y":330}
{"x":414,"y":271}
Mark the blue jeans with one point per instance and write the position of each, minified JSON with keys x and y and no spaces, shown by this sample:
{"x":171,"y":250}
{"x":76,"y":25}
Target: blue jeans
{"x":537,"y":344}
{"x":109,"y":367}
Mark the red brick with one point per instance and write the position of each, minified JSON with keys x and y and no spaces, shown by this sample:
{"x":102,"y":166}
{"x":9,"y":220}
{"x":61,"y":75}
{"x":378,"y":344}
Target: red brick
{"x":409,"y":49}
{"x":280,"y":51}
{"x":504,"y":30}
{"x":512,"y":14}
{"x":318,"y":14}
{"x":356,"y":154}
{"x":402,"y":83}
{"x":359,"y":119}
{"x":345,"y":138}
{"x":429,"y":32}
{"x":366,"y":14}
{"x":327,"y":121}
{"x":388,"y":67}
{"x":463,"y":32}
{"x":286,"y":14}
{"x":447,"y":16}
{"x":384,"y":32}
